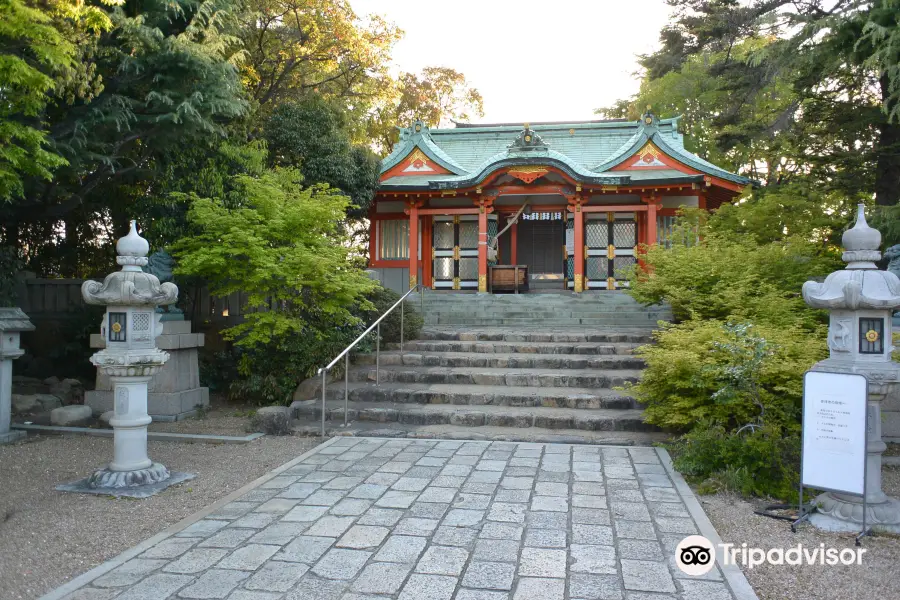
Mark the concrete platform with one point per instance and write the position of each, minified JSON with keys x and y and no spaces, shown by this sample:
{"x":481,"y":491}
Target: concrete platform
{"x":433,"y":520}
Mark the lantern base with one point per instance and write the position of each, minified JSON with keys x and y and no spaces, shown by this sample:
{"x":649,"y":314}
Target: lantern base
{"x":837,"y":512}
{"x":142,"y":483}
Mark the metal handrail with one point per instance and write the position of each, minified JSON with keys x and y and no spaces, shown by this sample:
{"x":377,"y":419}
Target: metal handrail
{"x":346,"y":352}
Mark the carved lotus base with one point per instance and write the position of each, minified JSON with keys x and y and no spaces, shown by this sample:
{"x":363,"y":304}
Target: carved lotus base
{"x":105,"y":478}
{"x":838,"y":514}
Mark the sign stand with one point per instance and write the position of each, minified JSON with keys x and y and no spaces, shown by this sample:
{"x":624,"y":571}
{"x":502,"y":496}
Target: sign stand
{"x":851,"y":390}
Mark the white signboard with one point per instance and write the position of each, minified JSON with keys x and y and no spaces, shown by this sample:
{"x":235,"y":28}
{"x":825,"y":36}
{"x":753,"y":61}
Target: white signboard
{"x":570,"y":242}
{"x":834,"y":432}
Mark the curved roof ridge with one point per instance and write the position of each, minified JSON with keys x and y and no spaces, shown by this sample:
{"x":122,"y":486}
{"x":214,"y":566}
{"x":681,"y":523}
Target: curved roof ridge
{"x":419,"y":137}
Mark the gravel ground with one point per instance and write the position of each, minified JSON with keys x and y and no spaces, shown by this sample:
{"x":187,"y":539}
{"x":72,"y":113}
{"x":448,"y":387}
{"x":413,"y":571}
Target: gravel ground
{"x":874,"y":579}
{"x":225,"y":421}
{"x":48,"y":537}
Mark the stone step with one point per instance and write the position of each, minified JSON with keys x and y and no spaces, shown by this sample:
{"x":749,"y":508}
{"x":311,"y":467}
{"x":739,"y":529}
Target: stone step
{"x":581,"y":378}
{"x":502,"y":347}
{"x":649,"y":323}
{"x":501,"y":361}
{"x":483,"y":395}
{"x":516,"y":334}
{"x":493,"y":416}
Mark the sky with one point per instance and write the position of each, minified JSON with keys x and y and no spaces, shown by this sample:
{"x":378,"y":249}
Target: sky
{"x":532,"y":60}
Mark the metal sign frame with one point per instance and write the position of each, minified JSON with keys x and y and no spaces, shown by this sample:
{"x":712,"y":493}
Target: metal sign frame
{"x":804,"y":515}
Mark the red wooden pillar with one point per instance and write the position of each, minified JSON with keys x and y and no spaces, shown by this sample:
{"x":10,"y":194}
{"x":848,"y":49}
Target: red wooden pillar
{"x":653,"y":203}
{"x":484,"y":208}
{"x":514,"y":244}
{"x":413,"y":212}
{"x":579,"y":258}
{"x":427,"y":262}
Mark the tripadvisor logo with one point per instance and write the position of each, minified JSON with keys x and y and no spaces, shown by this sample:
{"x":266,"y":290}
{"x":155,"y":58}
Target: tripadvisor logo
{"x":695,"y":555}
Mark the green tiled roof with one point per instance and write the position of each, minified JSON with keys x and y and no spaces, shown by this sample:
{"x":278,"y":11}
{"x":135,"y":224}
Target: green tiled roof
{"x":586,"y":149}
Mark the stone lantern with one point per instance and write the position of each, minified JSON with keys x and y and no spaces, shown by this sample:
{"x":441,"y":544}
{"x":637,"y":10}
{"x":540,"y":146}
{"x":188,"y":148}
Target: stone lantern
{"x":130,"y":359}
{"x":12,"y":323}
{"x":861,"y":300}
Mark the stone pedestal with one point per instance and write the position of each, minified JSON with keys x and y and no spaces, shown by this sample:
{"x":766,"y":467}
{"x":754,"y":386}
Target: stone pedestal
{"x":175,"y":391}
{"x":12,"y":322}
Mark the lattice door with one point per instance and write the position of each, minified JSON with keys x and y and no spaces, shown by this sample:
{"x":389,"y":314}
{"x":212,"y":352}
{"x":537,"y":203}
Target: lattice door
{"x":610,"y":249}
{"x":455,"y":251}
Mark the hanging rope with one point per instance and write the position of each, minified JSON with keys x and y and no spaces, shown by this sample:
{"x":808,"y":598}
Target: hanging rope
{"x":492,"y":247}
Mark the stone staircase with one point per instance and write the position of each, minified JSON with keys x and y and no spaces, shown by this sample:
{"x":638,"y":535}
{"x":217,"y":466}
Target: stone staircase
{"x":549,"y":308}
{"x":473,"y":381}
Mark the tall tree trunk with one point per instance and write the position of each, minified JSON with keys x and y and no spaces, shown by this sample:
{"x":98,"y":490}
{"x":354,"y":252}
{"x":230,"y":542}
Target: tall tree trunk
{"x":887,"y":169}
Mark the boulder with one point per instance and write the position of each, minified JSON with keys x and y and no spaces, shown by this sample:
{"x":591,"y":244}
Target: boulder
{"x":70,"y":416}
{"x":51,"y":381}
{"x":28,"y":385}
{"x":272,"y":420}
{"x":49,"y":401}
{"x":105,"y":417}
{"x":308,"y":389}
{"x":25,"y":404}
{"x":70,"y":391}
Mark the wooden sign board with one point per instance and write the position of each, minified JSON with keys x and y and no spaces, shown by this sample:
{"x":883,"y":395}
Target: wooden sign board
{"x":834,"y":432}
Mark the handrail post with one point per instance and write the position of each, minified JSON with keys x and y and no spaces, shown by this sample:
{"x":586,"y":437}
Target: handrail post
{"x":346,"y":385}
{"x":377,"y":350}
{"x":402,"y":307}
{"x":324,"y":374}
{"x":422,"y":302}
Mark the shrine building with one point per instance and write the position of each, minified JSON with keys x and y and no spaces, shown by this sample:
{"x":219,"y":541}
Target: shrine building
{"x":556,"y":205}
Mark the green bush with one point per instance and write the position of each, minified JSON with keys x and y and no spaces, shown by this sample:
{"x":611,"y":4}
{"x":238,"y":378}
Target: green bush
{"x":9,"y":269}
{"x":382,"y":299}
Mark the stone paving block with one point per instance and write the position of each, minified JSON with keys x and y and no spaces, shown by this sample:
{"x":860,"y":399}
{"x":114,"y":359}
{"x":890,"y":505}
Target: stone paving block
{"x":590,"y":516}
{"x":547,"y":520}
{"x":645,"y":468}
{"x":626,"y":495}
{"x":437,"y":494}
{"x":676,"y":525}
{"x":324,"y":497}
{"x":595,"y":587}
{"x":598,"y":560}
{"x":387,"y":517}
{"x":401,"y":549}
{"x":382,"y":578}
{"x":255,"y":520}
{"x":458,"y":517}
{"x":367,"y":491}
{"x":305,"y":513}
{"x":521,"y":471}
{"x":588,"y":476}
{"x":507,"y":512}
{"x":549,"y":503}
{"x":586,"y":466}
{"x":276,"y":576}
{"x":227,"y":538}
{"x":276,"y":506}
{"x":202,"y":528}
{"x":395,"y":467}
{"x":430,"y":462}
{"x":312,"y":587}
{"x":362,"y":537}
{"x":351,"y":507}
{"x":397,"y":499}
{"x":595,"y":535}
{"x":485,"y":477}
{"x":248,"y":558}
{"x":277,"y":483}
{"x":489,"y":575}
{"x":530,"y":588}
{"x":551,"y":489}
{"x":629,"y":511}
{"x":639,"y":530}
{"x":448,"y":481}
{"x":89,"y":593}
{"x":588,"y":501}
{"x":416,"y":526}
{"x":658,"y":494}
{"x":647,"y":576}
{"x":330,"y":526}
{"x":542,"y":562}
{"x":588,"y":488}
{"x":496,"y":551}
{"x":545,"y":538}
{"x":465,"y":594}
{"x":305,"y":549}
{"x":517,"y":483}
{"x":469,"y":461}
{"x":233,"y":510}
{"x":491,"y":465}
{"x":385,"y":479}
{"x":196,"y":560}
{"x":410,"y":484}
{"x":215,"y":583}
{"x":640,"y":550}
{"x":172,"y":547}
{"x":259,"y":495}
{"x":520,"y":496}
{"x":443,"y":560}
{"x":455,"y":536}
{"x":704,"y":590}
{"x":428,"y":510}
{"x":129,"y":573}
{"x":339,"y":563}
{"x":279,"y":533}
{"x":457,"y":470}
{"x":428,"y":587}
{"x":156,"y":587}
{"x":472,"y":501}
{"x":654,"y":480}
{"x":474,"y":487}
{"x":299,"y":491}
{"x":343,"y":483}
